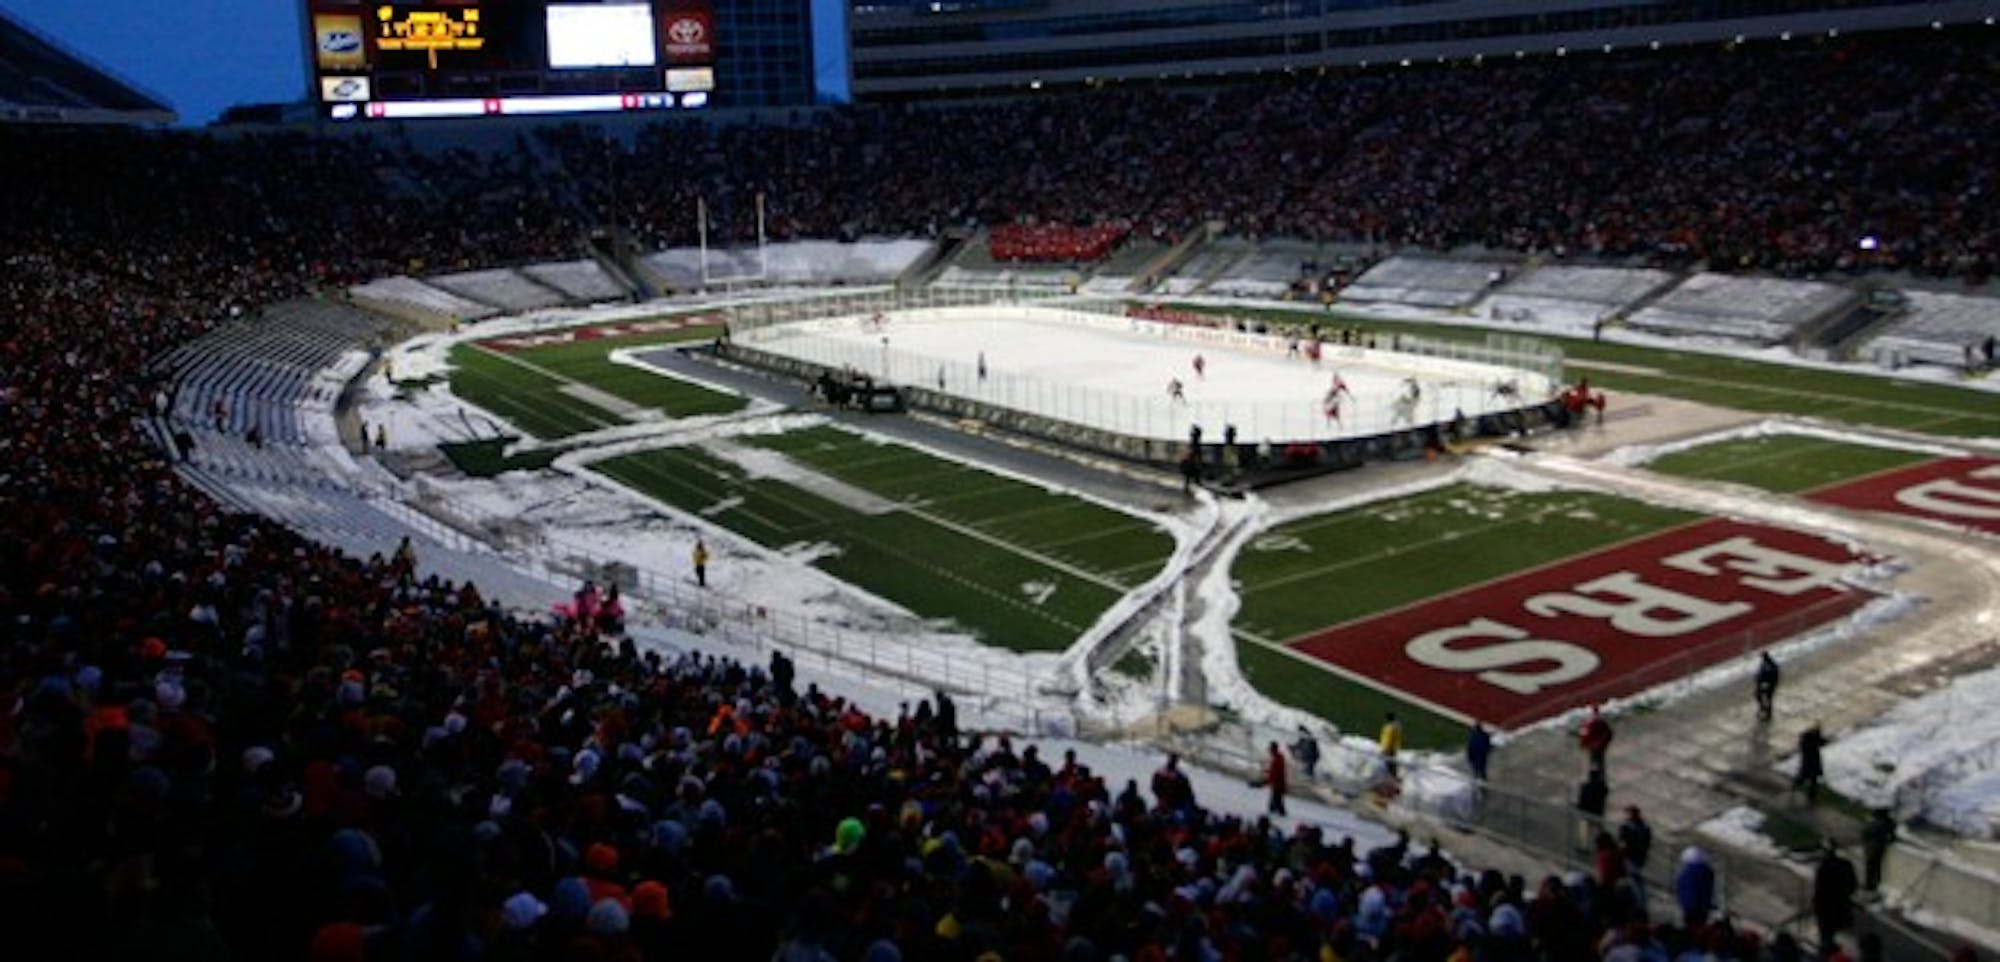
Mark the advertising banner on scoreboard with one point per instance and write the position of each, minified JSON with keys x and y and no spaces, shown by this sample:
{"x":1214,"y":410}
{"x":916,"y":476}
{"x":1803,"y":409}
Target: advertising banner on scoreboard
{"x":338,"y":44}
{"x":687,"y":31}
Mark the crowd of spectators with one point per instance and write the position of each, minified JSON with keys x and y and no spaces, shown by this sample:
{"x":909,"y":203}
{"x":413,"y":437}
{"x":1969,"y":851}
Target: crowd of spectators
{"x":218,"y":740}
{"x":1054,"y":242}
{"x":1775,"y":155}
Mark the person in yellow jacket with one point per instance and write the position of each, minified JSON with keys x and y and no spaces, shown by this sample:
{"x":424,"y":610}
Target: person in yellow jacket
{"x":700,"y":562}
{"x":1392,"y":742}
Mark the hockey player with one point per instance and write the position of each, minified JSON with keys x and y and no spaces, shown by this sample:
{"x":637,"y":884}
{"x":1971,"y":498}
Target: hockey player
{"x":1200,"y":366}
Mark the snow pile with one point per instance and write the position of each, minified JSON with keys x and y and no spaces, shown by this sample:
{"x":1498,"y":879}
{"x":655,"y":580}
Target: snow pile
{"x":1641,"y":454}
{"x":1935,"y":758}
{"x":1742,"y":829}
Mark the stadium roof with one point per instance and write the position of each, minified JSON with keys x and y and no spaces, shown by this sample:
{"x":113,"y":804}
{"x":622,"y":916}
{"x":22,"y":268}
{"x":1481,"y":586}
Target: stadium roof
{"x":41,"y":82}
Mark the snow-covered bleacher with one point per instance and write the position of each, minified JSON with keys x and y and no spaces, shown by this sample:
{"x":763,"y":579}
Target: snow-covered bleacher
{"x":793,"y":262}
{"x":411,"y":298}
{"x":270,"y":373}
{"x":582,"y":281}
{"x":1211,"y":262}
{"x":364,"y":525}
{"x":1936,"y":328}
{"x":974,"y":266}
{"x":1426,"y":281}
{"x":1116,"y":274}
{"x":1760,"y":310}
{"x":1564,"y":295}
{"x":1270,"y":270}
{"x":499,"y":287}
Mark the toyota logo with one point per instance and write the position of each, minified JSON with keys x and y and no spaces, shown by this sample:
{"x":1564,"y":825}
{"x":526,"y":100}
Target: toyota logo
{"x":686,"y":30}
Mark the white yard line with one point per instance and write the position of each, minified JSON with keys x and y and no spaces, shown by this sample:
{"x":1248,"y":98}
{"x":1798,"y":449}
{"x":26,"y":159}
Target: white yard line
{"x":545,"y":372}
{"x":1353,"y":676}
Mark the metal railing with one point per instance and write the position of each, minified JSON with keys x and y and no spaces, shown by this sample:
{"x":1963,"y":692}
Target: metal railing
{"x":994,"y":685}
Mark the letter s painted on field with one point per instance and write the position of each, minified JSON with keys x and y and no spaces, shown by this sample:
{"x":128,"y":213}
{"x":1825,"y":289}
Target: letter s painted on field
{"x":1949,"y":496}
{"x":1501,"y":663}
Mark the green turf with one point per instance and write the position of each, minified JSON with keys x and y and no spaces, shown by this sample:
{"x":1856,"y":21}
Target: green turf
{"x":1059,"y":526}
{"x":1720,"y":379}
{"x":1785,"y":463}
{"x":484,"y":459}
{"x":527,"y":399}
{"x":589,"y":362}
{"x":525,"y":387}
{"x":1318,"y":572}
{"x":1027,"y":594}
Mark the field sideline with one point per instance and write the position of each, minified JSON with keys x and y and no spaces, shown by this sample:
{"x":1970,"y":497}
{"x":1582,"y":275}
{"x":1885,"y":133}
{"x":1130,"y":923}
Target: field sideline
{"x":527,"y":386}
{"x":1029,"y":570}
{"x":1019,"y":566}
{"x":1720,"y":380}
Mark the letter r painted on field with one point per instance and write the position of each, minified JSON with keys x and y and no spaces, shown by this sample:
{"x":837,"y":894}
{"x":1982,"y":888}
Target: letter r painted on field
{"x":1954,"y":498}
{"x":1761,"y":566}
{"x":1501,"y":664}
{"x":1648,"y":611}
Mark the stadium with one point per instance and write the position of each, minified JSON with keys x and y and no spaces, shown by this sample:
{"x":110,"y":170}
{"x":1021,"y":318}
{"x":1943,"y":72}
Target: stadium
{"x":1071,"y":480}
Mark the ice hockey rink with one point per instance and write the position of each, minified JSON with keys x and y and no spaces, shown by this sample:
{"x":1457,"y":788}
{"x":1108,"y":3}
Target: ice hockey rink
{"x":1115,"y":373}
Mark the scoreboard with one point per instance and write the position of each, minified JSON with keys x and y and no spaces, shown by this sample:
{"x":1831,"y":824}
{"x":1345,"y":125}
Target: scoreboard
{"x":469,"y":58}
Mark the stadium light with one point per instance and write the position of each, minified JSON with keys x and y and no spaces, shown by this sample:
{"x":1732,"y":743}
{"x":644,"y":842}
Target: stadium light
{"x":1869,"y":242}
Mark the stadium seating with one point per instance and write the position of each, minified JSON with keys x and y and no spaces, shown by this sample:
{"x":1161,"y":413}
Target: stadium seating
{"x":1756,"y":310}
{"x":1570,"y":296}
{"x":582,"y":281}
{"x":1936,"y":329}
{"x":1054,"y":242}
{"x":226,"y":739}
{"x":500,"y":288}
{"x":411,"y":298}
{"x":803,"y":262}
{"x":1426,"y":282}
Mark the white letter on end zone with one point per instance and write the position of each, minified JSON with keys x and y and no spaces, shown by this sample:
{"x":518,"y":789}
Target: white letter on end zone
{"x":1955,"y":498}
{"x":1641,"y":609}
{"x":1763,"y":566}
{"x":1568,"y":662}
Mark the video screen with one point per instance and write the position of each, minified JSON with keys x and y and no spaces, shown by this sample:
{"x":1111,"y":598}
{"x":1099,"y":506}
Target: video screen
{"x":439,"y":58}
{"x":601,"y":35}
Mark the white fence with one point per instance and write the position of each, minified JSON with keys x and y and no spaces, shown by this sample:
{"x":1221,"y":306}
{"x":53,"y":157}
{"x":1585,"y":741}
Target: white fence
{"x":1457,"y":377}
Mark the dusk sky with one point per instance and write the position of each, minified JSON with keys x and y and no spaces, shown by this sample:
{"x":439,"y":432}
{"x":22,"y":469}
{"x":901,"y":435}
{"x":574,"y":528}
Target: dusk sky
{"x":201,"y":55}
{"x":204,"y":56}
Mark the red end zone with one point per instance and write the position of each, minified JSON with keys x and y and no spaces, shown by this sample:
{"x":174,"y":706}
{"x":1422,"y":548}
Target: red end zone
{"x":1602,"y":625}
{"x":1959,"y":491}
{"x":598,"y":332}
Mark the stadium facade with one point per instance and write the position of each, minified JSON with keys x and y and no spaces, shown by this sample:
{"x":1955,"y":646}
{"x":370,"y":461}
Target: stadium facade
{"x":915,"y":49}
{"x":41,"y":81}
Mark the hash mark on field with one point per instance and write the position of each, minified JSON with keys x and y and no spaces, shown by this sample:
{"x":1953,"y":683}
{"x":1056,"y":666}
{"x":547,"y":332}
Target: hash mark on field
{"x":1814,"y":447}
{"x":1077,"y":539}
{"x":1025,"y":552}
{"x":730,"y":485}
{"x":1350,"y":675}
{"x":1025,"y":513}
{"x":553,"y":376}
{"x":1452,"y":534}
